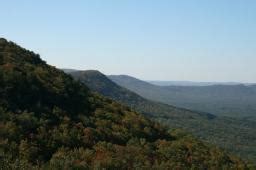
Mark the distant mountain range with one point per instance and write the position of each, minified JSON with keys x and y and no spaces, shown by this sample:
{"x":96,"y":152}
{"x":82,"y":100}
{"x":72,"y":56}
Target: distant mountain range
{"x":193,"y":83}
{"x":224,"y":100}
{"x":223,"y":131}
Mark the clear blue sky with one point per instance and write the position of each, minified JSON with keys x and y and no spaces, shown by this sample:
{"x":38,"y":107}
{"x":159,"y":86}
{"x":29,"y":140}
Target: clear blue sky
{"x":198,"y":40}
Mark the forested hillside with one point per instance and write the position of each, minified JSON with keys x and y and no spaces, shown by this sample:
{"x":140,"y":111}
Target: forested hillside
{"x":50,"y":121}
{"x":223,"y":131}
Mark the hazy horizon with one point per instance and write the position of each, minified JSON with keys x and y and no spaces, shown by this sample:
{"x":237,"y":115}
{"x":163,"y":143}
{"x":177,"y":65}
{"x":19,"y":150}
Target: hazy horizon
{"x":199,"y":41}
{"x":166,"y":81}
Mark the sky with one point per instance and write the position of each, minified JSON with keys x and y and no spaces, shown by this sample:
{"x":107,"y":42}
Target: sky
{"x":194,"y":40}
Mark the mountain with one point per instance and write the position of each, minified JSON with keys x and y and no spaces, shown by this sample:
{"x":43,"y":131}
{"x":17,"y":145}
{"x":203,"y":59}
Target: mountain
{"x":222,"y":131}
{"x":96,"y":81}
{"x":50,"y":121}
{"x":224,"y":100}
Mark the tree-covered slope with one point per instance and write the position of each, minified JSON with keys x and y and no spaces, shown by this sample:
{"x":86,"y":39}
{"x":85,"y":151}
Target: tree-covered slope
{"x":98,"y":82}
{"x":223,"y":100}
{"x":222,"y":131}
{"x":50,"y":121}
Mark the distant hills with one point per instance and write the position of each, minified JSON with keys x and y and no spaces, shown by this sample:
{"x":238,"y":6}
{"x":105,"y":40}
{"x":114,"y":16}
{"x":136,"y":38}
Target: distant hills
{"x":100,"y":83}
{"x":224,"y":100}
{"x":68,"y":70}
{"x":222,"y":131}
{"x":48,"y":120}
{"x":193,"y":83}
